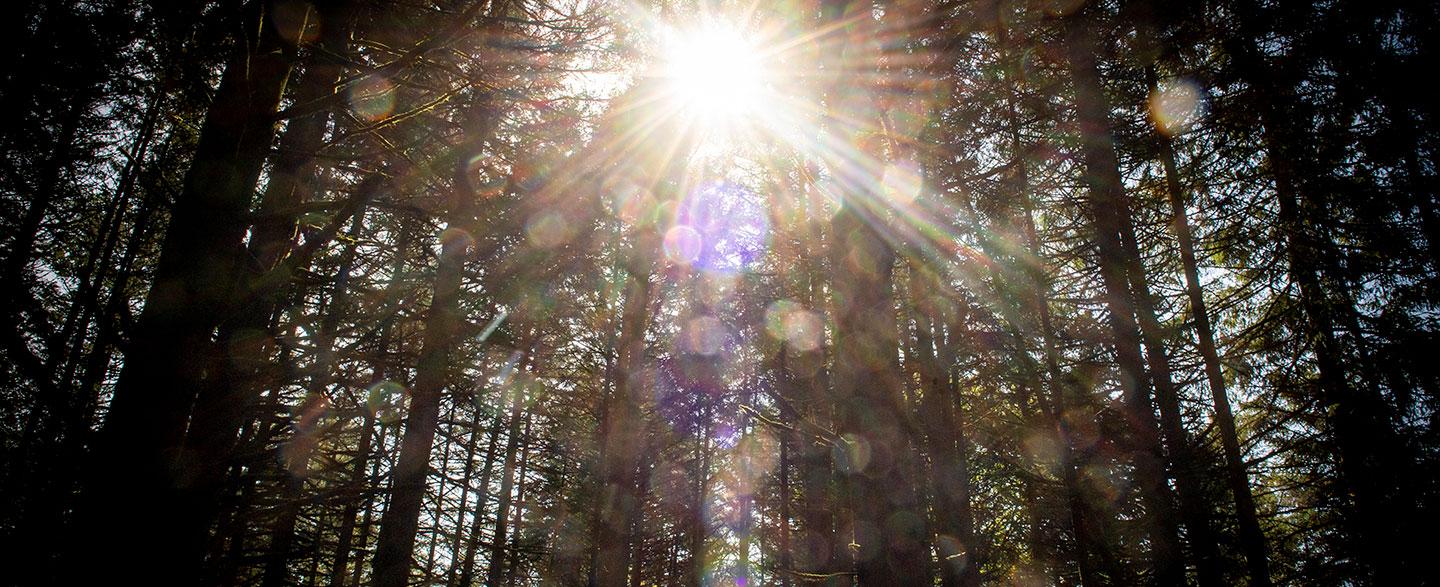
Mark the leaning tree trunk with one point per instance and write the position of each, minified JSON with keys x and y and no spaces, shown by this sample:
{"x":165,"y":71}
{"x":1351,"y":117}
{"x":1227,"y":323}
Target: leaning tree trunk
{"x":401,"y":520}
{"x":498,"y":549}
{"x":944,"y":431}
{"x":1102,"y":175}
{"x":1252,"y":539}
{"x":619,"y":504}
{"x":1371,"y":456}
{"x":137,"y":477}
{"x":888,"y":515}
{"x":623,"y":430}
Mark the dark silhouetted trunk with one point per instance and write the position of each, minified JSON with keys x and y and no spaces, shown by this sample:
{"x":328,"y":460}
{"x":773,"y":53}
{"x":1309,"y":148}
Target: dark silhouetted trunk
{"x":477,"y":523}
{"x":498,"y":548}
{"x":1106,"y":205}
{"x":1252,"y":539}
{"x":140,"y":474}
{"x":1371,"y":456}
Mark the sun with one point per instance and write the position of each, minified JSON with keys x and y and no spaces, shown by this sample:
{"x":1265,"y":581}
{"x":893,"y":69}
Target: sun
{"x":715,"y":73}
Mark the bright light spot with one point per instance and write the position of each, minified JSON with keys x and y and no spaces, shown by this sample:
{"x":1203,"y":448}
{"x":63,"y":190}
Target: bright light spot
{"x":901,"y":182}
{"x":1176,"y":105}
{"x":704,"y":336}
{"x":715,"y":72}
{"x":548,"y":230}
{"x":852,"y":453}
{"x":788,"y":321}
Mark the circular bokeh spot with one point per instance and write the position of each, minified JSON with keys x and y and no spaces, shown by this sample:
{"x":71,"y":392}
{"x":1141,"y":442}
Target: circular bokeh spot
{"x":682,"y":244}
{"x":1176,"y":105}
{"x":372,"y":99}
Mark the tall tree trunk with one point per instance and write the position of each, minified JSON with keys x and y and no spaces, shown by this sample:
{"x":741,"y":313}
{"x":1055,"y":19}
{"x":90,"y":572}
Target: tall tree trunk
{"x":22,"y":312}
{"x":871,"y":419}
{"x":619,"y":504}
{"x":1252,"y":539}
{"x":1371,"y":456}
{"x":512,"y":569}
{"x":398,"y":526}
{"x":820,"y":546}
{"x":782,"y":472}
{"x":698,"y":528}
{"x":139,"y":471}
{"x":944,"y":430}
{"x":498,"y":549}
{"x":889,"y":525}
{"x":1102,"y":175}
{"x":355,"y":486}
{"x":68,"y":408}
{"x":466,"y":478}
{"x":472,"y":545}
{"x":622,"y":429}
{"x":401,"y":520}
{"x":1093,"y":555}
{"x":302,"y":442}
{"x":367,"y":518}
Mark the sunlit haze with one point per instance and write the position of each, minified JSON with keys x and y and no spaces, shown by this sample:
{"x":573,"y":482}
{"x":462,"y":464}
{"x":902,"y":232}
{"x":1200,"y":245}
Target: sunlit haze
{"x":721,"y":293}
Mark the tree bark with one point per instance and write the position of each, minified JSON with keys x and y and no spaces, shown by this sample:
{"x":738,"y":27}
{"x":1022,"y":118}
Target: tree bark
{"x":393,"y":554}
{"x":1371,"y":456}
{"x":944,"y":429}
{"x":472,"y":546}
{"x":1102,"y":176}
{"x":498,"y":549}
{"x":1252,"y":538}
{"x":138,"y":475}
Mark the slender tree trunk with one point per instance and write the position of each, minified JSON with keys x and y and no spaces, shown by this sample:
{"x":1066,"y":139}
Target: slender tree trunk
{"x":303,"y":441}
{"x":1083,"y":521}
{"x":512,"y":574}
{"x":393,"y":555}
{"x":355,"y":494}
{"x":1102,"y":174}
{"x":498,"y":551}
{"x":21,"y":312}
{"x":958,"y":546}
{"x":876,"y":434}
{"x":427,"y":569}
{"x":623,"y":429}
{"x":698,"y":529}
{"x":889,"y":524}
{"x":346,"y":532}
{"x":1371,"y":456}
{"x":472,"y":546}
{"x":401,"y":520}
{"x":1252,"y":538}
{"x":819,"y":542}
{"x":466,"y":478}
{"x":368,"y":517}
{"x":619,"y":504}
{"x":786,"y":559}
{"x":68,"y":408}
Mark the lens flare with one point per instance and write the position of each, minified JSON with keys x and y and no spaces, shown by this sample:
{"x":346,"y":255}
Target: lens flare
{"x":682,"y":244}
{"x":1176,"y":105}
{"x":372,"y":99}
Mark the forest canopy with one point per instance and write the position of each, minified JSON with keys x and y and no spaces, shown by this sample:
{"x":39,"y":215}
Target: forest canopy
{"x":620,"y":293}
